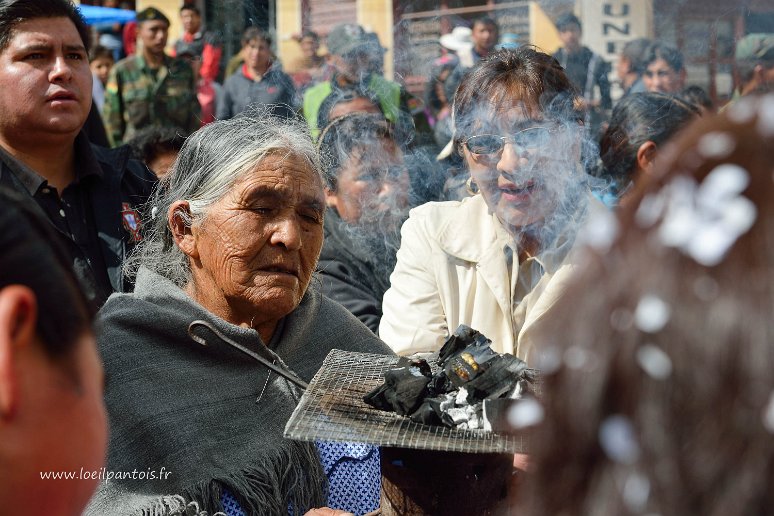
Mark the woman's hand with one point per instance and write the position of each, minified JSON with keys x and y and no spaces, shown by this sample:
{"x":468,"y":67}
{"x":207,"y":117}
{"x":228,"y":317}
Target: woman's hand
{"x":327,"y":511}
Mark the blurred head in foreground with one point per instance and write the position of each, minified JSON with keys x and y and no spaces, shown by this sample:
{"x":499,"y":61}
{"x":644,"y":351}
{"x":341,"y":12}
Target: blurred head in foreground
{"x":659,"y":392}
{"x":52,"y":416}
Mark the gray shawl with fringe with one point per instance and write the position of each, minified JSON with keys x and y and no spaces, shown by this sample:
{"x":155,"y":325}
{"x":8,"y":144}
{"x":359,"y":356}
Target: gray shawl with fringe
{"x":211,"y":416}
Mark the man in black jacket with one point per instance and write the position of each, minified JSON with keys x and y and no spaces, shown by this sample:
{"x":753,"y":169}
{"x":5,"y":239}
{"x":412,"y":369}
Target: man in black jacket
{"x":91,"y":195}
{"x":587,"y":71}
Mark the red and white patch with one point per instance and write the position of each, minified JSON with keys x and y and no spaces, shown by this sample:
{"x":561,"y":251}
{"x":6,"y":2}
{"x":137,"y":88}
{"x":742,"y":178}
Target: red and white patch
{"x":131,"y":220}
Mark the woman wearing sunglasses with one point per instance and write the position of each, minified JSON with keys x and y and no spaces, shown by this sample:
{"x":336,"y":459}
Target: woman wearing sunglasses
{"x":496,"y":261}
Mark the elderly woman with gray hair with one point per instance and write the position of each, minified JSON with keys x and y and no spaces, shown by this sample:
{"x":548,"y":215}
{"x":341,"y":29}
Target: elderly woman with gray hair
{"x":236,"y":233}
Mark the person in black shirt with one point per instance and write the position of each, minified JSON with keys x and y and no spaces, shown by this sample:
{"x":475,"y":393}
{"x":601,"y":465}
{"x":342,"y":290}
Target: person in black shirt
{"x":587,"y":71}
{"x":91,"y":195}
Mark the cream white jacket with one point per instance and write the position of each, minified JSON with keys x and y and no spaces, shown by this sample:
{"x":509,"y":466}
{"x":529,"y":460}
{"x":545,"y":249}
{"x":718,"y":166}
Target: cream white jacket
{"x":451,"y":270}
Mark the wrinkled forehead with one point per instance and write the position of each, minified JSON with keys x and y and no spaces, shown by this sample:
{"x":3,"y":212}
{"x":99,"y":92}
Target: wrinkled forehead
{"x":284,"y":172}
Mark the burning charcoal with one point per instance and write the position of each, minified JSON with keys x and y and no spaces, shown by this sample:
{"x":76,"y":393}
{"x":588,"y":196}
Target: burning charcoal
{"x":463,"y":337}
{"x":469,"y":364}
{"x":377,"y":398}
{"x":429,"y":412}
{"x":403,"y":390}
{"x":499,"y":379}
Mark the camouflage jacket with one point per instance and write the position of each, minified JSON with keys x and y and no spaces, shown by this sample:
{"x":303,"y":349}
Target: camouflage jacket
{"x":135,"y":98}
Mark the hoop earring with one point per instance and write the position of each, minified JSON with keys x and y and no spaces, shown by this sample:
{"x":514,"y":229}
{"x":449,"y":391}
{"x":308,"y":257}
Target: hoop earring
{"x":471,"y":187}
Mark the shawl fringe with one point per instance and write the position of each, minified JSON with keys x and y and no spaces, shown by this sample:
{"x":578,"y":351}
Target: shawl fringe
{"x":289,"y":482}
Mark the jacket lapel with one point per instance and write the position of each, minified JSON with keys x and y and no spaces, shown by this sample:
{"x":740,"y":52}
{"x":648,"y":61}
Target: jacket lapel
{"x":470,"y":236}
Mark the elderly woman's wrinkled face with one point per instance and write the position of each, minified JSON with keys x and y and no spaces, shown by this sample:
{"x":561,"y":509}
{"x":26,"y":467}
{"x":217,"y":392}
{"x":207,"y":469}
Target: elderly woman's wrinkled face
{"x":521,"y":162}
{"x":258,"y":245}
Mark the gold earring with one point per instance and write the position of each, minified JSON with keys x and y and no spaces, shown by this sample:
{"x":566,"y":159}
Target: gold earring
{"x":471,"y":186}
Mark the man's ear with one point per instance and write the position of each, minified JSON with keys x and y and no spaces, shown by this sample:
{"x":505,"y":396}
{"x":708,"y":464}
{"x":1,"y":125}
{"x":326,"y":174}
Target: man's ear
{"x":179,"y":220}
{"x":18,"y":321}
{"x":646,"y":157}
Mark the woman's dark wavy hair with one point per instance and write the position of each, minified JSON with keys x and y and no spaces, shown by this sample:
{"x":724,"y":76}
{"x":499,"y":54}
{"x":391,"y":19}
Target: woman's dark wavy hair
{"x":13,"y":12}
{"x":636,"y":119}
{"x":30,"y":256}
{"x":524,"y":74}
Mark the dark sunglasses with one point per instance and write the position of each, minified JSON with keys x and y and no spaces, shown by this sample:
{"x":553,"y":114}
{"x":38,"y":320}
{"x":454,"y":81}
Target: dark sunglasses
{"x":529,"y":139}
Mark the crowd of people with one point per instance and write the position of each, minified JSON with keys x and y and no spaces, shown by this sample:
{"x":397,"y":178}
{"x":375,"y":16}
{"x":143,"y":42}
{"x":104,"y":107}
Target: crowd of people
{"x":152,"y":201}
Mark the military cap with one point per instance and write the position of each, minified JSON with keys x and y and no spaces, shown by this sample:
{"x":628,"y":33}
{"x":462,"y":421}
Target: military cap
{"x":151,"y":14}
{"x":755,"y":47}
{"x":346,"y":38}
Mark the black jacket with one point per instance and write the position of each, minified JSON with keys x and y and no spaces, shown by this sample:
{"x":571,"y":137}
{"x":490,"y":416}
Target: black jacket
{"x":115,"y":197}
{"x":355,"y":270}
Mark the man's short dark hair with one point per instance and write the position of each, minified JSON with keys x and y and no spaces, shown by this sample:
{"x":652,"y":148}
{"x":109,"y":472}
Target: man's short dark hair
{"x":485,"y":20}
{"x":13,"y":12}
{"x":672,"y":56}
{"x":190,"y":7}
{"x":567,"y":19}
{"x":150,"y":142}
{"x":100,"y":52}
{"x":310,"y":34}
{"x":252,"y":33}
{"x":635,"y":51}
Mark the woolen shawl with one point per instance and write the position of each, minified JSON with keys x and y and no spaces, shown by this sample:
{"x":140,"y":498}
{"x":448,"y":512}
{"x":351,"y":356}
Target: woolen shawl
{"x":210,"y":415}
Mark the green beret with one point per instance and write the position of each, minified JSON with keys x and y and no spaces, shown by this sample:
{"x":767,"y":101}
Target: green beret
{"x":151,"y":14}
{"x":755,"y":47}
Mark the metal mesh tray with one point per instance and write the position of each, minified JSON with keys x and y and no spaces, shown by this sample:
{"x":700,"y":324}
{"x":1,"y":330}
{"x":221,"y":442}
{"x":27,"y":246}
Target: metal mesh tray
{"x":332,"y":409}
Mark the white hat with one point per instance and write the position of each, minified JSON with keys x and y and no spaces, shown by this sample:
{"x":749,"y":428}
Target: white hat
{"x":458,"y":39}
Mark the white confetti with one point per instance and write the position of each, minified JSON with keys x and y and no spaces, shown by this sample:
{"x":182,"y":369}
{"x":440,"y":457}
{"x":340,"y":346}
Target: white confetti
{"x":636,"y":492}
{"x":576,"y":357}
{"x":652,"y":314}
{"x":716,"y":145}
{"x":618,"y":440}
{"x":621,"y":319}
{"x":525,"y":412}
{"x":600,"y":229}
{"x":548,"y":359}
{"x":768,"y":414}
{"x":724,"y":182}
{"x":766,"y":116}
{"x":650,"y":209}
{"x":704,"y":221}
{"x":742,"y":111}
{"x":654,"y":361}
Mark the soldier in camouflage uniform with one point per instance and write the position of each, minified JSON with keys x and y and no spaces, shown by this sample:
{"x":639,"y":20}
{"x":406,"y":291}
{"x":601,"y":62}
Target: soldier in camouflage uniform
{"x":150,"y":88}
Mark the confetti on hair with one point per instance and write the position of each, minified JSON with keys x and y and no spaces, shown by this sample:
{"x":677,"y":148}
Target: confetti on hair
{"x":600,"y":229}
{"x":716,"y":145}
{"x":618,"y":440}
{"x":654,"y":361}
{"x":704,"y":221}
{"x":652,"y":314}
{"x":742,"y":111}
{"x":766,"y":116}
{"x":636,"y":492}
{"x":525,"y":412}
